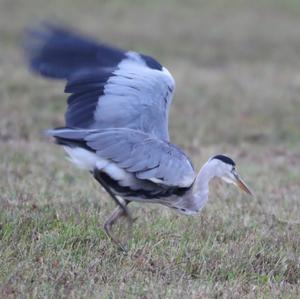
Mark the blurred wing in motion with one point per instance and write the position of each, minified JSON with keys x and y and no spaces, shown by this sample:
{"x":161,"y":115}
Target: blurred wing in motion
{"x":110,"y":88}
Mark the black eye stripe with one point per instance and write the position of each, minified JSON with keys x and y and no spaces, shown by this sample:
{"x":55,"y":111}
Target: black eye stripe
{"x":224,"y":159}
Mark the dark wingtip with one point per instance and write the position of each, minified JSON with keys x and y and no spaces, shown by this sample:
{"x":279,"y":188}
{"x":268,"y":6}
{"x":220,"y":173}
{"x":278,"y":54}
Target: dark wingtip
{"x":224,"y":159}
{"x":35,"y":43}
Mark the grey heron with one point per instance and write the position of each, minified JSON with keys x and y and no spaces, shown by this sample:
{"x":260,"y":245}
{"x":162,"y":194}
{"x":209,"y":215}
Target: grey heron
{"x":117,"y":123}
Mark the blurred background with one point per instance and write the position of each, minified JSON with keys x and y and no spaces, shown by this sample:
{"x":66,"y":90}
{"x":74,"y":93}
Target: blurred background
{"x":237,"y":69}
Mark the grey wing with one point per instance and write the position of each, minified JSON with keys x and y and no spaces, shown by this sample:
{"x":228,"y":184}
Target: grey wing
{"x":145,"y":156}
{"x":131,"y":96}
{"x":110,"y":88}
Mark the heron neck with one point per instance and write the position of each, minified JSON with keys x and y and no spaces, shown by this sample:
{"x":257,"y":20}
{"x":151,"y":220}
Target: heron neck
{"x":206,"y":174}
{"x":201,"y":186}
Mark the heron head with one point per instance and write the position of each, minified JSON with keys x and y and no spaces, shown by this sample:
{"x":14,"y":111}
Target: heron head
{"x":226,"y":170}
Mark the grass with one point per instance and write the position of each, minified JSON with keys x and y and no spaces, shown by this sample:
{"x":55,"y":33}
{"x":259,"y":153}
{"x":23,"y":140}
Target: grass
{"x":236,"y":65}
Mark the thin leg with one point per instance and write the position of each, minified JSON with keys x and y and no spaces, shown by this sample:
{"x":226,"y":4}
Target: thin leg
{"x":117,"y":201}
{"x":120,"y":211}
{"x":116,"y":214}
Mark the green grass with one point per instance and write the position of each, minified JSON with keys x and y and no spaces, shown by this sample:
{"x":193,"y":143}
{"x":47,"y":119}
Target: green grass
{"x":236,"y":65}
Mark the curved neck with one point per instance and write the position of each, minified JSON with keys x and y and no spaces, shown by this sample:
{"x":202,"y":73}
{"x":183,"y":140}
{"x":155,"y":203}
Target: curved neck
{"x":206,"y":173}
{"x":201,"y":185}
{"x":196,"y":197}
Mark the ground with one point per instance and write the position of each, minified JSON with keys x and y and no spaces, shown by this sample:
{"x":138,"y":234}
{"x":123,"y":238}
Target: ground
{"x":237,"y":69}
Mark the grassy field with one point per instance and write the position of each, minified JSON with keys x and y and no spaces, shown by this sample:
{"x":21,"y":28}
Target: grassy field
{"x":237,"y":68}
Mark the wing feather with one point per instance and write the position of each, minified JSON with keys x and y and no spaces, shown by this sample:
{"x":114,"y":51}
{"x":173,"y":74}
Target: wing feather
{"x":147,"y":157}
{"x":110,"y":88}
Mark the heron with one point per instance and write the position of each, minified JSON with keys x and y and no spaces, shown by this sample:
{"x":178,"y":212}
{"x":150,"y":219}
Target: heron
{"x":116,"y":123}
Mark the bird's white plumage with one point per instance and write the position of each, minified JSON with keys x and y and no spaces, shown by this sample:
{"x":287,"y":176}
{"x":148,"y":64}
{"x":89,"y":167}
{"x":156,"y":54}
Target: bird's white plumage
{"x":90,"y":161}
{"x":83,"y":158}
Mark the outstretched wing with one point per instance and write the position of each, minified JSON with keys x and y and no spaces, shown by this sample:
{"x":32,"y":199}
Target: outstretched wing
{"x":109,"y":88}
{"x":131,"y":96}
{"x":143,"y":155}
{"x":57,"y":52}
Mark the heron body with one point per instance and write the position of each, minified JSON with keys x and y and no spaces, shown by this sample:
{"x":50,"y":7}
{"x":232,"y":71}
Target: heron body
{"x":117,"y":122}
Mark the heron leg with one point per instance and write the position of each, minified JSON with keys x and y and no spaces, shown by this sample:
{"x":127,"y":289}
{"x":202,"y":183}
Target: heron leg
{"x":121,"y":210}
{"x":122,"y":205}
{"x":117,"y":213}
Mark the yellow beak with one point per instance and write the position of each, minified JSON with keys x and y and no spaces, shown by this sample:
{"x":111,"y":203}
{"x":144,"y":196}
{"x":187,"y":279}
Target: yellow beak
{"x":242,"y":185}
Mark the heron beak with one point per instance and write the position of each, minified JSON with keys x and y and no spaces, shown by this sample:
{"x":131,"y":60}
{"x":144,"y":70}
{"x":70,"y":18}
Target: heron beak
{"x":242,"y":185}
